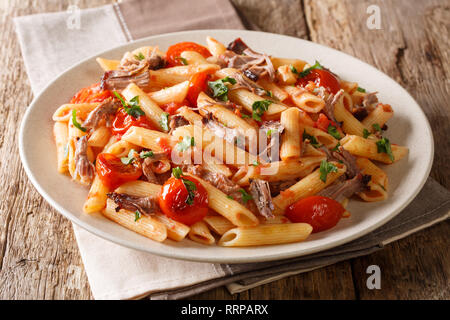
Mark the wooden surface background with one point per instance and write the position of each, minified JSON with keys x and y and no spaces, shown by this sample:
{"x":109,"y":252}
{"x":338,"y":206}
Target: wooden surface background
{"x":39,"y":258}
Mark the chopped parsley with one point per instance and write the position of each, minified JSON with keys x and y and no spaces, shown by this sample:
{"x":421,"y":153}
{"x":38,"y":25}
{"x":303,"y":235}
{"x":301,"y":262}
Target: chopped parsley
{"x":384,"y":146}
{"x":305,"y":72}
{"x":132,"y":108}
{"x":361,"y":89}
{"x":219,"y":89}
{"x":269,"y":93}
{"x":255,"y":163}
{"x":269,"y":132}
{"x":259,"y":107}
{"x":183,"y":60}
{"x":164,"y":122}
{"x":326,"y":168}
{"x":293,"y":69}
{"x":376,"y":127}
{"x":332,"y":130}
{"x":75,"y":122}
{"x":311,"y":139}
{"x":188,"y":184}
{"x":336,"y":148}
{"x":186,"y":143}
{"x":230,"y":197}
{"x":245,"y":116}
{"x":245,"y":196}
{"x":137,"y":216}
{"x":128,"y":160}
{"x":139,"y":56}
{"x":366,"y":133}
{"x":146,"y":154}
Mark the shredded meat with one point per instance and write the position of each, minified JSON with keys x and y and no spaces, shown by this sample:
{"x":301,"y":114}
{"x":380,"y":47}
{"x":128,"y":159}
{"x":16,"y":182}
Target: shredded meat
{"x":131,"y":63}
{"x":277,"y":186}
{"x":330,"y":104}
{"x":260,"y":191}
{"x":177,"y":121}
{"x":276,"y":129}
{"x":106,"y":110}
{"x":83,"y":167}
{"x":237,"y":46}
{"x":244,"y":82}
{"x":346,"y":158}
{"x":144,"y":205}
{"x":346,"y":188}
{"x":119,"y":80}
{"x":360,"y":113}
{"x":147,"y":166}
{"x":369,"y":99}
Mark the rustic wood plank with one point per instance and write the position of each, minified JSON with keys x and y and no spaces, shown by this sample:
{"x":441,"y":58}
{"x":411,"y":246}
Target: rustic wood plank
{"x":414,"y":51}
{"x":39,"y":258}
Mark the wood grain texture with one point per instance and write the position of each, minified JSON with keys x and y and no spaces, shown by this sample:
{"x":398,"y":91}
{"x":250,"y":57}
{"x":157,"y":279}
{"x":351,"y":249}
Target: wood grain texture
{"x":39,"y":258}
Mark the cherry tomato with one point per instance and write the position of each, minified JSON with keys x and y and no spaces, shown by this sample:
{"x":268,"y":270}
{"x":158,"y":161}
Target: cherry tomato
{"x":123,"y":121}
{"x":321,"y":213}
{"x":174,"y":52}
{"x":323,"y":123}
{"x":172,"y":107}
{"x":113,"y":173}
{"x":198,"y":83}
{"x":322,"y":78}
{"x":91,"y":94}
{"x":173,"y":201}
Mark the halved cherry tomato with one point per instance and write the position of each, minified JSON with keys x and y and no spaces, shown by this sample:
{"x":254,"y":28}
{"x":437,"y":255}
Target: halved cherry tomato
{"x":123,"y":121}
{"x":91,"y":94}
{"x":173,"y":201}
{"x":198,"y":83}
{"x":113,"y":173}
{"x":321,"y":213}
{"x":174,"y":52}
{"x":323,"y":123}
{"x":322,"y":78}
{"x":172,"y":107}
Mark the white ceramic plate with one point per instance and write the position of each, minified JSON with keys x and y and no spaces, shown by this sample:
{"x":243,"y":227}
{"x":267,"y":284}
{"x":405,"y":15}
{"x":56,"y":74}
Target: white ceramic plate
{"x":409,"y":127}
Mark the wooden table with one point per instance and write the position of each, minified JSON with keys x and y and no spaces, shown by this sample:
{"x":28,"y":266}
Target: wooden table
{"x":39,"y":258}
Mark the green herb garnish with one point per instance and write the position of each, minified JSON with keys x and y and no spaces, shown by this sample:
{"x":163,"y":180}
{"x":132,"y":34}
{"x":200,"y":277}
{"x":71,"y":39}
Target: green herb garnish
{"x":311,"y":139}
{"x":361,"y":89}
{"x":384,"y":146}
{"x":245,"y":196}
{"x":305,"y":72}
{"x":332,"y":130}
{"x":326,"y":168}
{"x":230,"y":197}
{"x":183,"y":60}
{"x":75,"y":122}
{"x":177,"y":172}
{"x":128,"y":160}
{"x":188,"y":184}
{"x":186,"y":143}
{"x":255,"y":163}
{"x":269,"y":93}
{"x":336,"y":148}
{"x":139,"y":56}
{"x":164,"y":122}
{"x":137,"y":216}
{"x":293,"y":69}
{"x":132,"y":108}
{"x":376,"y":127}
{"x":146,"y":154}
{"x":366,"y":133}
{"x":219,"y":89}
{"x":259,"y":107}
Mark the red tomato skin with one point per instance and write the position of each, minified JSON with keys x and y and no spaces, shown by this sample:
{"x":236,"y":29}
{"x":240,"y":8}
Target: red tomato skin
{"x":172,"y":201}
{"x":322,"y":78}
{"x":323,"y":123}
{"x":321,"y":213}
{"x":174,"y":52}
{"x":123,"y":121}
{"x":91,"y":94}
{"x":164,"y":144}
{"x":172,"y":107}
{"x":198,"y":83}
{"x":113,"y":173}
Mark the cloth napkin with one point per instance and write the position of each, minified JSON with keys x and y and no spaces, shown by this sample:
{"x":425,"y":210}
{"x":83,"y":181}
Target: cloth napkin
{"x":52,"y":42}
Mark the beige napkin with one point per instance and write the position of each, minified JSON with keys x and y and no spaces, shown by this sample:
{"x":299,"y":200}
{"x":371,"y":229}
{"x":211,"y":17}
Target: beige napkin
{"x":50,"y":44}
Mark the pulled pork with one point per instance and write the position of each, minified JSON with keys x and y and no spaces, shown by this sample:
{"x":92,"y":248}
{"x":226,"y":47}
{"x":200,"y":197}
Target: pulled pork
{"x":277,"y":186}
{"x":177,"y":121}
{"x":260,"y":191}
{"x":342,"y":189}
{"x":330,"y":104}
{"x":83,"y":167}
{"x":147,"y":166}
{"x":144,"y":205}
{"x":346,"y":158}
{"x":106,"y":110}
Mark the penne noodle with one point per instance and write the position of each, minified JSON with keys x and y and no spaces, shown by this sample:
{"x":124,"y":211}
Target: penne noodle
{"x":215,"y":47}
{"x":296,"y":63}
{"x":348,"y":86}
{"x":193,"y":57}
{"x":171,"y":76}
{"x":96,"y":200}
{"x":64,"y":112}
{"x":219,"y":224}
{"x":121,"y":148}
{"x":308,"y":186}
{"x":304,"y":100}
{"x":350,"y":124}
{"x":290,"y":139}
{"x":379,"y":116}
{"x":176,"y":93}
{"x":266,"y":235}
{"x":286,"y":76}
{"x":322,"y":137}
{"x":152,"y":111}
{"x":60,"y":133}
{"x":378,"y":184}
{"x":149,"y":139}
{"x":100,"y":137}
{"x":108,"y":65}
{"x":200,"y":233}
{"x":146,"y":226}
{"x":276,"y":91}
{"x":368,"y":148}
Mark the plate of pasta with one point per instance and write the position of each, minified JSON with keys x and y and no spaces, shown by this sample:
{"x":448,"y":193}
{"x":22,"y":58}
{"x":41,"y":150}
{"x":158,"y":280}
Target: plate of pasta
{"x":226,"y":146}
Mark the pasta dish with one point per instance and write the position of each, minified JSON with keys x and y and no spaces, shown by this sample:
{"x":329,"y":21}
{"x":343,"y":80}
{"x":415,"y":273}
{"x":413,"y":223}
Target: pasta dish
{"x":224,"y":145}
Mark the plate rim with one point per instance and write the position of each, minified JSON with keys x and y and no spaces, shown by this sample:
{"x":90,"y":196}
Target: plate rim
{"x":174,"y":255}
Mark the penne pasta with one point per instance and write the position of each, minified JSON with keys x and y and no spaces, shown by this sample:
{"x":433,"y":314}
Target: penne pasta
{"x":290,"y":139}
{"x":305,"y":100}
{"x":176,"y":93}
{"x":219,"y":224}
{"x":60,"y":133}
{"x":378,"y":184}
{"x":200,"y":233}
{"x":379,"y":116}
{"x":108,"y":65}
